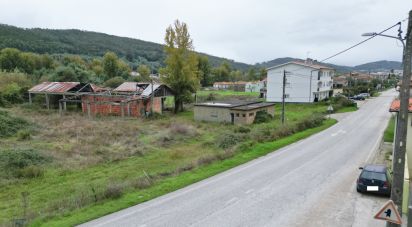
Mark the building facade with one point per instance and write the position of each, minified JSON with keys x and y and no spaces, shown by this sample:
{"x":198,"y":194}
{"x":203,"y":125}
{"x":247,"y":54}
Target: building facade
{"x":230,"y":112}
{"x":305,"y":82}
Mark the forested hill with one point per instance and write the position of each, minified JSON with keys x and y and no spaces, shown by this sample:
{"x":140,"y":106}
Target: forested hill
{"x":377,"y":66}
{"x":87,"y":43}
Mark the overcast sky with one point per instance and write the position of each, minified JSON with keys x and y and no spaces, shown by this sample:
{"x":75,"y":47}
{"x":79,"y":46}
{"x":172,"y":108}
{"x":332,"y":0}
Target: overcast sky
{"x":244,"y":30}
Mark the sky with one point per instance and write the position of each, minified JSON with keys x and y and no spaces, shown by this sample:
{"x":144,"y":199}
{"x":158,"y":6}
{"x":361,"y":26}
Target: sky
{"x":248,"y":31}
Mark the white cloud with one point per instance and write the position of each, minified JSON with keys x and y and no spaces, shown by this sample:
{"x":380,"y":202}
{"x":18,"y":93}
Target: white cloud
{"x":243,"y":30}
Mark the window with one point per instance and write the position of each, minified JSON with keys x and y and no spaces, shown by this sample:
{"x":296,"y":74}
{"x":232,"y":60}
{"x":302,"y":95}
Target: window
{"x":251,"y":114}
{"x":237,"y":115}
{"x":243,"y":115}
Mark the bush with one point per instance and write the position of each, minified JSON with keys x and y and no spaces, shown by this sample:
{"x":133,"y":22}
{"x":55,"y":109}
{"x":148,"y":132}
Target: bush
{"x":242,"y":129}
{"x":142,"y":183}
{"x":19,"y":159}
{"x":23,"y":134}
{"x":228,"y":140}
{"x":114,"y":82}
{"x":183,"y":129}
{"x":10,"y":125}
{"x":30,"y":172}
{"x":113,"y":191}
{"x":310,"y":122}
{"x":261,"y":117}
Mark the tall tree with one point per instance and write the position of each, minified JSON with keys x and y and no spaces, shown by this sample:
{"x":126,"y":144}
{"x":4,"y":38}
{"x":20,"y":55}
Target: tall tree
{"x":10,"y":59}
{"x":144,"y":73}
{"x":180,"y":72}
{"x":110,"y":64}
{"x":204,"y":70}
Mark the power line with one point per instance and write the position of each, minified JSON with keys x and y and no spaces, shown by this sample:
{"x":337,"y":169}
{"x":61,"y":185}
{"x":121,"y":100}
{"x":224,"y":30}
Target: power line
{"x":363,"y":41}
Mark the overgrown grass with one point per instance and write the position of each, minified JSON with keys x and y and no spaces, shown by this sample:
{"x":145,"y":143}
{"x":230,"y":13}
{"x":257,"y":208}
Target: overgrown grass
{"x":389,"y":131}
{"x":95,"y":161}
{"x":176,"y":182}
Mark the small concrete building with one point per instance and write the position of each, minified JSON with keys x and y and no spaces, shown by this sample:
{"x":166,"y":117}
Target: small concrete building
{"x":231,"y":112}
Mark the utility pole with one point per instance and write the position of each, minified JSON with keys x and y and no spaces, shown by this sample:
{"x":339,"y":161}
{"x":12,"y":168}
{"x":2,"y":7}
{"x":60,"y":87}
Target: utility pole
{"x":283,"y":97}
{"x":398,"y":162}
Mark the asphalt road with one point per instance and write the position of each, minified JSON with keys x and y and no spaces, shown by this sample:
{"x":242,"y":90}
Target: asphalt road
{"x":309,"y":183}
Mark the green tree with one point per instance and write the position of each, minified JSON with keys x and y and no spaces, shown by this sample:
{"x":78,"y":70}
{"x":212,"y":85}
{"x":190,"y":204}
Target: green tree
{"x":204,"y":70}
{"x":222,"y":73}
{"x":10,"y":59}
{"x":114,"y":82}
{"x":110,"y":65}
{"x":144,"y":73}
{"x":180,"y":72}
{"x":262,"y":73}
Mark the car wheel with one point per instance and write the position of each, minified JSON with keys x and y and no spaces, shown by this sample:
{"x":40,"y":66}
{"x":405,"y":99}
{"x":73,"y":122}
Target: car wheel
{"x":358,"y":190}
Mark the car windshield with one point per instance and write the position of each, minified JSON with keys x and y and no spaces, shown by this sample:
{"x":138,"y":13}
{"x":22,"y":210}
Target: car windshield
{"x":373,"y":175}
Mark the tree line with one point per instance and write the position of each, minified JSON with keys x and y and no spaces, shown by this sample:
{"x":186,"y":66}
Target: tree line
{"x":185,"y":71}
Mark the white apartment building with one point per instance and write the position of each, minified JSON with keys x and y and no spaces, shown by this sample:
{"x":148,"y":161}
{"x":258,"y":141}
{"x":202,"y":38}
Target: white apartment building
{"x":305,"y":82}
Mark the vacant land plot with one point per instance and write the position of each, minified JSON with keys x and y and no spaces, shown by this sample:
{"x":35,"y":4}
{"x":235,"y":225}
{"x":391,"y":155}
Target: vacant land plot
{"x":65,"y":164}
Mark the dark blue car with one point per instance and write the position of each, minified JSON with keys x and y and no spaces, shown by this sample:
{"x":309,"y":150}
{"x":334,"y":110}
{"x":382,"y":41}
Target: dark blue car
{"x":374,"y":179}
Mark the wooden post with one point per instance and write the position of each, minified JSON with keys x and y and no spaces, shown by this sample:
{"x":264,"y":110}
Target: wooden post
{"x":64,"y":104}
{"x":89,"y":110}
{"x":60,"y":108}
{"x":30,"y":98}
{"x":122,"y":108}
{"x":47,"y":102}
{"x":128,"y":109}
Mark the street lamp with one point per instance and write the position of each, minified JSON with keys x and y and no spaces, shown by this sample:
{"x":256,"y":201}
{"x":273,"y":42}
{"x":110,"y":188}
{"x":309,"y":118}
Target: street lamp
{"x":399,"y":37}
{"x":398,"y":163}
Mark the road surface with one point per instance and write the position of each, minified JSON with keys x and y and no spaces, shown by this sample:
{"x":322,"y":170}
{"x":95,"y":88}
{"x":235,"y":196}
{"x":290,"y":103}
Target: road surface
{"x":309,"y":183}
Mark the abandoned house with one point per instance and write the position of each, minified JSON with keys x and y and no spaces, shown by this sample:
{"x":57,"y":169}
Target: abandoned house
{"x":129,"y":99}
{"x":231,"y":112}
{"x":62,"y":90}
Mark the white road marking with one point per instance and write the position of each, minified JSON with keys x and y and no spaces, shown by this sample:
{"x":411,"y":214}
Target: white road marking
{"x":232,"y":200}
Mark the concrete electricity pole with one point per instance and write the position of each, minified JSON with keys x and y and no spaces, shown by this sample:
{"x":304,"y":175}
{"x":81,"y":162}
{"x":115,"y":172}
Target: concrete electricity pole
{"x":398,"y":162}
{"x":283,"y":96}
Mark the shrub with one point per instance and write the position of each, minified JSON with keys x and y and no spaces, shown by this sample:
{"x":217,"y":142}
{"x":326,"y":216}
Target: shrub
{"x":228,"y":140}
{"x":30,"y":172}
{"x":113,"y":191}
{"x":114,"y":82}
{"x":206,"y":160}
{"x":211,"y":97}
{"x":10,"y":125}
{"x":183,"y":129}
{"x":310,"y":122}
{"x":242,"y":129}
{"x":23,"y":134}
{"x":261,"y":117}
{"x":19,"y":159}
{"x":142,"y":183}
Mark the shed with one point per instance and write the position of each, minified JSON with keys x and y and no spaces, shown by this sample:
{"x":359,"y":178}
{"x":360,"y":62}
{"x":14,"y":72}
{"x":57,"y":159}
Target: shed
{"x":128,"y":99}
{"x":62,"y":89}
{"x":235,"y":112}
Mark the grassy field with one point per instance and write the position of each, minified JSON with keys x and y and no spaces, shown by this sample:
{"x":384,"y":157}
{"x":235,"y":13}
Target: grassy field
{"x":389,"y":131}
{"x":93,"y":167}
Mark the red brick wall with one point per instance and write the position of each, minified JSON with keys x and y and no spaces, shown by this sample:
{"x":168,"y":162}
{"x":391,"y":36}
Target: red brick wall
{"x":136,"y":106}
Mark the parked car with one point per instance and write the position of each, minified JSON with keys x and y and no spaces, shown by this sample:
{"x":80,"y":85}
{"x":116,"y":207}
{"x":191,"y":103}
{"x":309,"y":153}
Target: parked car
{"x":374,"y":178}
{"x":357,"y":97}
{"x":366,"y":95}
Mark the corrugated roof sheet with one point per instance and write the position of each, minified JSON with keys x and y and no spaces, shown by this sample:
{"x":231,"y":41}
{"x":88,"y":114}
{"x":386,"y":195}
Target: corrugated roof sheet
{"x":54,"y":87}
{"x":128,"y":87}
{"x":396,"y":104}
{"x":148,"y":90}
